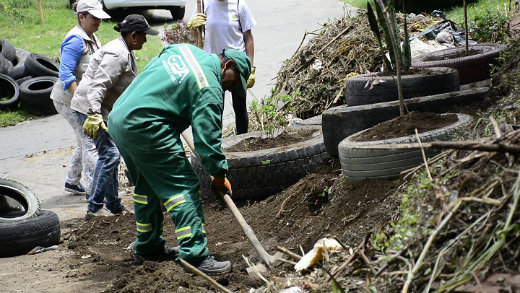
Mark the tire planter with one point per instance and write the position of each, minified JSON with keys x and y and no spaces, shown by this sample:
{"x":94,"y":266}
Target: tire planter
{"x":256,"y":175}
{"x":362,"y":163}
{"x":17,"y":202}
{"x":8,"y":89}
{"x":18,"y":70}
{"x":39,"y":65}
{"x":35,"y":95}
{"x":19,"y":237}
{"x":434,"y":81}
{"x":471,"y":68}
{"x":342,"y":121}
{"x":22,"y":79}
{"x":7,"y":50}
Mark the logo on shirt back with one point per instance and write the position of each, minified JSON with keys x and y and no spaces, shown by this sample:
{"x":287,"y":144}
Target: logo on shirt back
{"x":176,"y":68}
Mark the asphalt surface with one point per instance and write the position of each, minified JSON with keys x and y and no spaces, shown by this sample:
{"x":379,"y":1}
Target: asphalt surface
{"x":36,"y":153}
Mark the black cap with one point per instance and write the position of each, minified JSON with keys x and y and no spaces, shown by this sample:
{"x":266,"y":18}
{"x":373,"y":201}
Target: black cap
{"x":135,"y":22}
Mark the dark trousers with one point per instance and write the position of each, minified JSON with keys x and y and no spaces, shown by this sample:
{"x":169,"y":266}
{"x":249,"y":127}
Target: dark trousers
{"x":240,"y":109}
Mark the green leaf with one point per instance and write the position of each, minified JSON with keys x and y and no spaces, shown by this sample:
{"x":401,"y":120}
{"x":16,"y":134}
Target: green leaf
{"x":373,"y":24}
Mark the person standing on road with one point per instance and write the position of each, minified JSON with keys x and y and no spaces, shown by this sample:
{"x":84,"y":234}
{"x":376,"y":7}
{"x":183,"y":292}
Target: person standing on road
{"x":109,"y":73}
{"x":227,"y":25}
{"x":182,"y":86}
{"x":76,"y":50}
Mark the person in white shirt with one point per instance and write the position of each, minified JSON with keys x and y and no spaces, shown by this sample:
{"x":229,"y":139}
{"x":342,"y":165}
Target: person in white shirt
{"x":227,"y":25}
{"x":110,"y":71}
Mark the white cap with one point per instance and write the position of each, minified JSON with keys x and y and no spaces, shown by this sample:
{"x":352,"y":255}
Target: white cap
{"x":93,"y":7}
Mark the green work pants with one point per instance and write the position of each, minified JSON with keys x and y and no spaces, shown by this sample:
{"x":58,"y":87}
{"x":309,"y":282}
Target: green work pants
{"x":166,"y":178}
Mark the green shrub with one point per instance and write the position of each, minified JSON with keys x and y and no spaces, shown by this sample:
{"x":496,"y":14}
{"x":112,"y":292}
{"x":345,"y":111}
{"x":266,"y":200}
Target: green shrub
{"x":490,"y":25}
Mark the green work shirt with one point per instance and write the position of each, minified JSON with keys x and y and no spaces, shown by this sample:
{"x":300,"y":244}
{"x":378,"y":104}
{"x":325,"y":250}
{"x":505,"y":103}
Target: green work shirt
{"x":178,"y":88}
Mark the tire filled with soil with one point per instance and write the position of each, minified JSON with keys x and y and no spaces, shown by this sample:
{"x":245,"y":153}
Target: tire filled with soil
{"x":256,"y":173}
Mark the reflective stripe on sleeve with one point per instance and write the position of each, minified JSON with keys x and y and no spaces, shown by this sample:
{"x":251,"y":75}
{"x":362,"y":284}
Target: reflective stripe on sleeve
{"x":144,"y":227}
{"x":194,"y":66}
{"x":203,"y":228}
{"x":183,"y":232}
{"x":140,"y":198}
{"x":174,"y":201}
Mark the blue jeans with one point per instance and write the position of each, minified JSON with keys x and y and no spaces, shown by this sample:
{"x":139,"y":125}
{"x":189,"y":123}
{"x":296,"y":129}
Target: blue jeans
{"x":105,"y":183}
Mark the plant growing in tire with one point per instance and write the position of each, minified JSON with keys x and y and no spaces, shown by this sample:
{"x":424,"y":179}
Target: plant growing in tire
{"x":473,"y":62}
{"x":398,"y":80}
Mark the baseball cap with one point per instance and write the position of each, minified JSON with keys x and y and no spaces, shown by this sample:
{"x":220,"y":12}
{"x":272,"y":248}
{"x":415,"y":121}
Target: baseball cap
{"x":243,"y":65}
{"x":136,"y":22}
{"x":93,"y":7}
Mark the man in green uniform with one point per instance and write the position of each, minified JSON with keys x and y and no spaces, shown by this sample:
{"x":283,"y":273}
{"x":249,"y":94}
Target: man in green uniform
{"x":180,"y":87}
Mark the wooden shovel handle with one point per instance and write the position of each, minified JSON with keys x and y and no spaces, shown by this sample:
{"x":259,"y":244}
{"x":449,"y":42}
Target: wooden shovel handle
{"x":199,"y":29}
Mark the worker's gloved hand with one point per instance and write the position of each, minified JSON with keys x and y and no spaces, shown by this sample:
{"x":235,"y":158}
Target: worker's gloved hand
{"x":92,"y":124}
{"x":198,"y":20}
{"x":220,"y":185}
{"x":251,"y":79}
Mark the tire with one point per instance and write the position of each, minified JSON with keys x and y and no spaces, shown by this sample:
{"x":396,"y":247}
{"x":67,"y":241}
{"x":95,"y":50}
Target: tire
{"x":362,"y":163}
{"x":256,"y":175}
{"x":435,"y":81}
{"x":22,"y":79}
{"x":471,"y":68}
{"x":5,"y":65}
{"x":177,"y":12}
{"x":17,"y":202}
{"x":9,"y":88}
{"x":19,"y":237}
{"x":35,"y":95}
{"x":39,"y":65}
{"x":18,"y":70}
{"x":7,"y":50}
{"x":342,"y":121}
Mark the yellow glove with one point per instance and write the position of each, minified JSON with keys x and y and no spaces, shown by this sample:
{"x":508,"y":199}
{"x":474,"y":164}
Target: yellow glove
{"x":198,"y":20}
{"x":92,"y":124}
{"x":220,"y":185}
{"x":251,"y":79}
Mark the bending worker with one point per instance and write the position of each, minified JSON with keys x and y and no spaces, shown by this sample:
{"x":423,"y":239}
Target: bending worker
{"x":227,"y":24}
{"x":182,"y":86}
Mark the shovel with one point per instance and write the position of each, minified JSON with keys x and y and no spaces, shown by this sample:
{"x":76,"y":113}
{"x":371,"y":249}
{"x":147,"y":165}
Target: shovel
{"x":268,"y":259}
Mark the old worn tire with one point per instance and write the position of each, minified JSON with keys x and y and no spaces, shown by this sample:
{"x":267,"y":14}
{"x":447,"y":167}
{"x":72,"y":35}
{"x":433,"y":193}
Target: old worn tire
{"x":18,"y":70}
{"x":35,"y":95}
{"x":39,"y":65}
{"x":17,"y":202}
{"x":21,"y":80}
{"x":19,"y":237}
{"x":10,"y":89}
{"x":435,"y":81}
{"x":258,"y":174}
{"x":471,"y":68}
{"x":362,"y":163}
{"x":7,"y":50}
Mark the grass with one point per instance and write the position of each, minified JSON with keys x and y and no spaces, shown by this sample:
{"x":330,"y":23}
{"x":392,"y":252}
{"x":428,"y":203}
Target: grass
{"x":20,"y":25}
{"x":10,"y":118}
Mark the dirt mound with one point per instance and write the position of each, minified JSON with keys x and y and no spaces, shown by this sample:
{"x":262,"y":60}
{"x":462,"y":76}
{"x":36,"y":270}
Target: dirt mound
{"x":319,"y":205}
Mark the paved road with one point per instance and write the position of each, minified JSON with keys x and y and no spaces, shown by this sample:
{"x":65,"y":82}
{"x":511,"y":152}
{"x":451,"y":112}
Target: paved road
{"x":36,"y":153}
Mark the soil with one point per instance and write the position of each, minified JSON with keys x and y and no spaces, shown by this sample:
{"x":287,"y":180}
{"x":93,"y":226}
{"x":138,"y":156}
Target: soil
{"x":319,"y":205}
{"x":406,"y":125}
{"x":260,"y":143}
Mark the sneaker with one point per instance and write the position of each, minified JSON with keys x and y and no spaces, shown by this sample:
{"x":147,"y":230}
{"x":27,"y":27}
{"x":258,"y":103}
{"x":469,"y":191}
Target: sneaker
{"x":75,"y":189}
{"x":168,"y":253}
{"x":91,"y":215}
{"x":123,"y":211}
{"x":212,"y":267}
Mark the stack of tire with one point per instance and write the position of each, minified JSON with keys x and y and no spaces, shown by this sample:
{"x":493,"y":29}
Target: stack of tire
{"x":26,"y":80}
